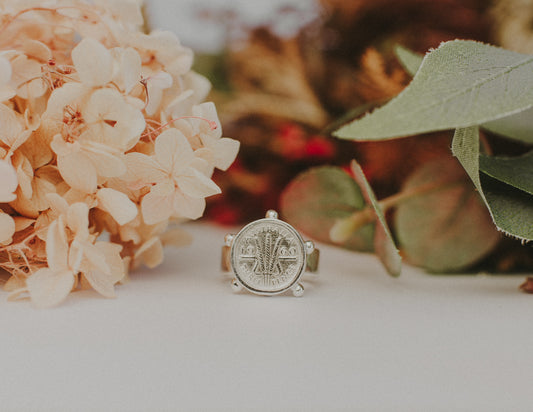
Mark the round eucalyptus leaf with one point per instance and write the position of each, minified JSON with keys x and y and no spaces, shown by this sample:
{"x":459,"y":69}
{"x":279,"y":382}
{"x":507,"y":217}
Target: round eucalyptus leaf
{"x":446,"y":228}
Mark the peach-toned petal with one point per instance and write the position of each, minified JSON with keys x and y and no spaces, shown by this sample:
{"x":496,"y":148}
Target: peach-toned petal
{"x":78,"y":220}
{"x":200,"y":84}
{"x":180,"y":105}
{"x":101,"y":283}
{"x":7,"y":228}
{"x":37,"y":50}
{"x":24,"y":174}
{"x":150,"y":253}
{"x":158,"y":204}
{"x":48,"y":288}
{"x":191,"y":208}
{"x":30,"y":207}
{"x":11,"y":128}
{"x":22,"y":223}
{"x":78,"y":171}
{"x":8,"y":177}
{"x":93,"y":63}
{"x":69,"y":96}
{"x":92,"y":258}
{"x":195,"y":184}
{"x":208,"y":110}
{"x":41,"y":186}
{"x":62,"y":148}
{"x":173,"y":151}
{"x":117,"y":204}
{"x":111,"y":251}
{"x":113,"y":121}
{"x":155,"y":85}
{"x":107,"y":164}
{"x":143,"y":169}
{"x":27,"y":77}
{"x":57,"y":203}
{"x":57,"y":247}
{"x":7,"y":91}
{"x":37,"y":150}
{"x":129,"y":69}
{"x":225,"y":152}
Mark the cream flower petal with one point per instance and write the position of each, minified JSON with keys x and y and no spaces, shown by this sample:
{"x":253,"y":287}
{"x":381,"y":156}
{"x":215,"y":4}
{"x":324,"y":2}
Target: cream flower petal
{"x":24,"y":174}
{"x":225,"y":151}
{"x":27,"y":77}
{"x":78,"y":171}
{"x":150,"y":253}
{"x":69,"y":95}
{"x":203,"y":162}
{"x":106,"y":164}
{"x":6,"y":90}
{"x":111,"y":251}
{"x":48,"y":288}
{"x":7,"y":228}
{"x":128,"y":68}
{"x":195,"y":184}
{"x":37,"y":150}
{"x":200,"y":84}
{"x":207,"y":110}
{"x":100,"y":282}
{"x":37,"y":50}
{"x":112,"y":121}
{"x":78,"y":220}
{"x":57,"y":247}
{"x":143,"y":169}
{"x":93,"y":258}
{"x":8,"y":177}
{"x":117,"y":204}
{"x":188,"y":207}
{"x":37,"y":202}
{"x":173,"y":151}
{"x":93,"y":63}
{"x":158,"y":204}
{"x":5,"y":70}
{"x":57,"y":203}
{"x":11,"y":128}
{"x":22,"y":223}
{"x":103,"y":281}
{"x":155,"y":85}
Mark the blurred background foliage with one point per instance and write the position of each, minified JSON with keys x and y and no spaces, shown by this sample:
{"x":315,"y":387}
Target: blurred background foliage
{"x":282,"y":95}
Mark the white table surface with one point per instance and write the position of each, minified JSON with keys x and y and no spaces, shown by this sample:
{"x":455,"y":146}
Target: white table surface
{"x":177,"y":338}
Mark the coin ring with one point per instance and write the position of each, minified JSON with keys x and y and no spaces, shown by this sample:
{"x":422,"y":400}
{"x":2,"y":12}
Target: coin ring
{"x":268,"y":273}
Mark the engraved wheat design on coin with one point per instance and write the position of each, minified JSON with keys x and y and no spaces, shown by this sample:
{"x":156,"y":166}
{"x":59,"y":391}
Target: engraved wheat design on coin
{"x":269,"y":256}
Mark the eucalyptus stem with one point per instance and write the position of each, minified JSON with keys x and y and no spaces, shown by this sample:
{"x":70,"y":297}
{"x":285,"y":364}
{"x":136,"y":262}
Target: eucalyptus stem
{"x":344,"y":228}
{"x":409,"y":193}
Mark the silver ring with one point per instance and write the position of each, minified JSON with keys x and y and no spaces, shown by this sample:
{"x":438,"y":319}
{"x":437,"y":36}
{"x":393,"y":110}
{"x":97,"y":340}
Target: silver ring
{"x":268,"y":257}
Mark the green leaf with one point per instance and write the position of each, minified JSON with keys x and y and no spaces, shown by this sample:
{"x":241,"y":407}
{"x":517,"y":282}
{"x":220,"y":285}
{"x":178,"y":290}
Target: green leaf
{"x":316,"y":199}
{"x":515,"y":171}
{"x":518,"y":126}
{"x":409,"y":60}
{"x":460,"y":84}
{"x":383,"y":241}
{"x":446,"y":228}
{"x":511,"y":209}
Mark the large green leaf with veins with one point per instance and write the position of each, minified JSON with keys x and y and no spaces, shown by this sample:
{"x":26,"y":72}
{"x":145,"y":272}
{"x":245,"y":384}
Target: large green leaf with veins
{"x":460,"y":84}
{"x":511,"y":208}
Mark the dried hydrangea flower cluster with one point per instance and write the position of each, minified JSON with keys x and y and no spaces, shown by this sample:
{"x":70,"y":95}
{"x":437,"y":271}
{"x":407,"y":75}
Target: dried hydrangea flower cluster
{"x":102,"y":130}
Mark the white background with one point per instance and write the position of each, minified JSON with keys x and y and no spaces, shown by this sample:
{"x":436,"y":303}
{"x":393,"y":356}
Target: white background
{"x":178,"y":339}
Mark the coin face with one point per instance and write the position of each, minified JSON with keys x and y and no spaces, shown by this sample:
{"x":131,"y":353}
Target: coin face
{"x":268,"y":256}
